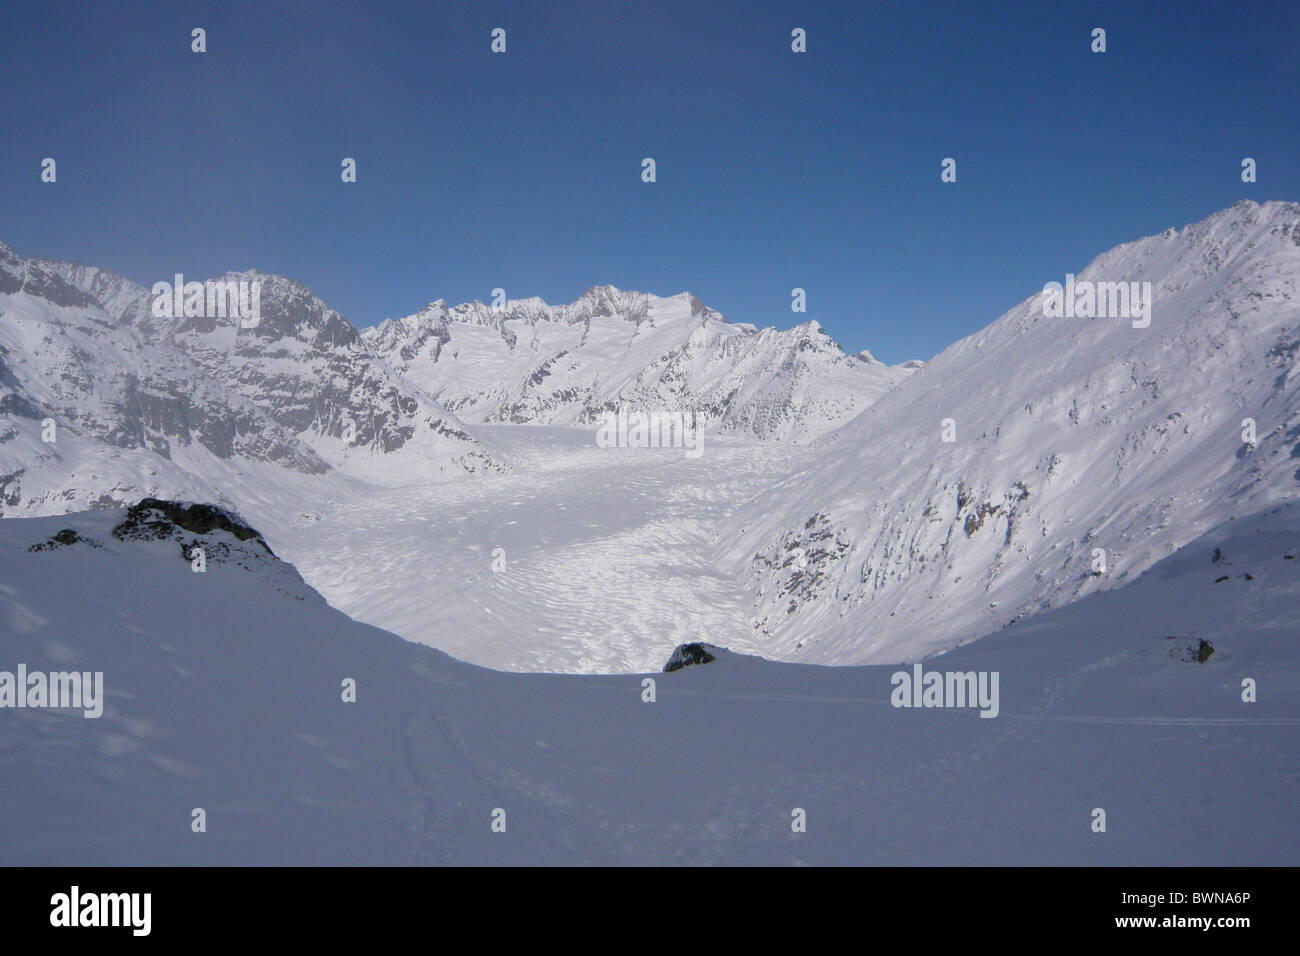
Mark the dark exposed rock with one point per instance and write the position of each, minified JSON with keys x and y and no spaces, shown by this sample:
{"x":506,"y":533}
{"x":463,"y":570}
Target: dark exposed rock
{"x":15,"y":404}
{"x":42,"y":282}
{"x":685,"y":655}
{"x":11,"y":488}
{"x":154,"y":519}
{"x":1196,"y":650}
{"x":63,"y":539}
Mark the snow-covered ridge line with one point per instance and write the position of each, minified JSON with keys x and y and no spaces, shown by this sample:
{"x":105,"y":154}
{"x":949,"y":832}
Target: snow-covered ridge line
{"x":108,"y":397}
{"x":1031,"y":454}
{"x":524,"y":361}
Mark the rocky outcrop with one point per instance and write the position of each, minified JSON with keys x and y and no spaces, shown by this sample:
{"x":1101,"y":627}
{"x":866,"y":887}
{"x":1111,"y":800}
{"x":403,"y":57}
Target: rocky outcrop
{"x":693,"y":654}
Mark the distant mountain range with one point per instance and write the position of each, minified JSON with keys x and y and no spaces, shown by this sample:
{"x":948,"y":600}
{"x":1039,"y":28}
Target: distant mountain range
{"x":146,"y":404}
{"x":528,"y":362}
{"x":884,"y":513}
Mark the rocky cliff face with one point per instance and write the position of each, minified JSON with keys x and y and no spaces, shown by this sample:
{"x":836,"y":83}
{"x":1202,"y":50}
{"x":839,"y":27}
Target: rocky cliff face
{"x":81,"y":348}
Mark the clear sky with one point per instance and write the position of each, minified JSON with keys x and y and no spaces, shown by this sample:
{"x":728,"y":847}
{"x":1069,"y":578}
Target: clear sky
{"x":523,"y":170}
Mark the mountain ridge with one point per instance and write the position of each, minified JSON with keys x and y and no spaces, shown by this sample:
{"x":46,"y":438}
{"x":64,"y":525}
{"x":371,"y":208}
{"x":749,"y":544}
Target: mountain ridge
{"x":1060,"y":423}
{"x":874,"y":540}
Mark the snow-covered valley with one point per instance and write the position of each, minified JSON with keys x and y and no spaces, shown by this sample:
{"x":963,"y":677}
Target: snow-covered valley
{"x":580,"y":559}
{"x":1096,"y":515}
{"x":1034,"y":463}
{"x":222,"y":693}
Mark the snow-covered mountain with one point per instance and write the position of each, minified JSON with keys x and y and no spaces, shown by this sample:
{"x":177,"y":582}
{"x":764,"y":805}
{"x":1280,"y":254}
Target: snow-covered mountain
{"x":226,"y":693}
{"x":529,"y":362}
{"x":144,"y":405}
{"x":1085,"y":449}
{"x":1073,"y":436}
{"x":189,"y":406}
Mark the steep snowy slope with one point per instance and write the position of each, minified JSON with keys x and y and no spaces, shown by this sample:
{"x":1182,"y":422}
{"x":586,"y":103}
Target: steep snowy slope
{"x":223,"y":692}
{"x":142,"y":404}
{"x":1073,"y":436}
{"x":527,"y":362}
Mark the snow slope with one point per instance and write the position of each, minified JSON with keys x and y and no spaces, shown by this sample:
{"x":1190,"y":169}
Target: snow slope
{"x":223,"y":693}
{"x":1072,"y":434}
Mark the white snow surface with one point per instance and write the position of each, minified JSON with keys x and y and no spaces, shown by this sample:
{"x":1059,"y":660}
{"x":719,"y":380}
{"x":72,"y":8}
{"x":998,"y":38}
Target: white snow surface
{"x":223,"y":693}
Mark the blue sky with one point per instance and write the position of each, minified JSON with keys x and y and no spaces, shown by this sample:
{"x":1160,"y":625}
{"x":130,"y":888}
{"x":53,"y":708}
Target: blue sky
{"x":522,"y":170}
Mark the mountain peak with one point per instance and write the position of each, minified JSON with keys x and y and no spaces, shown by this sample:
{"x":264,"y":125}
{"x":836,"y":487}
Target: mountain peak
{"x":601,"y":291}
